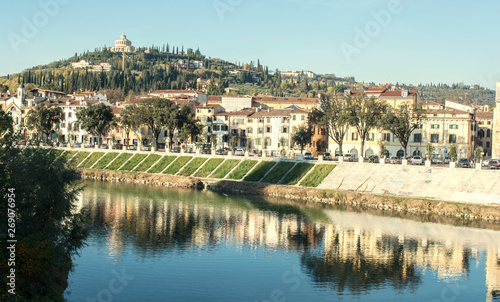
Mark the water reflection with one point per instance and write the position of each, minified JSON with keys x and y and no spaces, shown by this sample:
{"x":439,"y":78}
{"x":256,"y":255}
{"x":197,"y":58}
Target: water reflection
{"x":342,"y":251}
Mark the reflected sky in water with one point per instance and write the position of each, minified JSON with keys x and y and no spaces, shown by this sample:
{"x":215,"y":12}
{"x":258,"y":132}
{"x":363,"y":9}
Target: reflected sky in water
{"x":158,"y":244}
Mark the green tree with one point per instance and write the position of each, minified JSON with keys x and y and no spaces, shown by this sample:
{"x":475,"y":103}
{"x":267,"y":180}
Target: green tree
{"x":478,"y":154}
{"x":301,"y":137}
{"x":190,"y":130}
{"x":43,"y":118}
{"x":402,"y":122}
{"x":364,"y":113}
{"x":383,"y":148}
{"x":234,"y":142}
{"x":429,"y":148}
{"x":155,"y":114}
{"x":452,"y":153}
{"x":95,"y":119}
{"x":48,"y":229}
{"x":128,"y":120}
{"x":333,"y":116}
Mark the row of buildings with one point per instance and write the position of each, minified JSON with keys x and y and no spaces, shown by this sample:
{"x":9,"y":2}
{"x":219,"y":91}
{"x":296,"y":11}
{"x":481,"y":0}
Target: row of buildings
{"x":265,"y":123}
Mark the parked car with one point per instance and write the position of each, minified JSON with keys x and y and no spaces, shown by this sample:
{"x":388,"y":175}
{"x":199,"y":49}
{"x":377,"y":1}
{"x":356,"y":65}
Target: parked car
{"x":176,"y":149}
{"x":373,"y":159}
{"x":349,"y":157}
{"x":327,"y":156}
{"x":417,"y":160}
{"x":464,"y":163}
{"x":239,"y":152}
{"x":131,"y":147}
{"x":395,"y":160}
{"x":78,"y":145}
{"x":308,"y":155}
{"x":493,"y":164}
{"x":146,"y":148}
{"x":206,"y":151}
{"x":447,"y":160}
{"x":221,"y":152}
{"x":437,"y":160}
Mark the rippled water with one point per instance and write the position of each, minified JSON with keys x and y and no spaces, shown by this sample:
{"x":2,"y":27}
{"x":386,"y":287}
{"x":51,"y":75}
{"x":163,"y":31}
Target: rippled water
{"x":157,"y":244}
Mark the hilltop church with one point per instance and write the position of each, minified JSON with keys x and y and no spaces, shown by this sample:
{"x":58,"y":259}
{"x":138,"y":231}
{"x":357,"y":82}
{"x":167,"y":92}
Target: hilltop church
{"x":122,"y":45}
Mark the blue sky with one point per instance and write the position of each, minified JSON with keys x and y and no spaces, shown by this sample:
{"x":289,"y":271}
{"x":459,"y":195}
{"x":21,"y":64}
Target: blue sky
{"x":373,"y":40}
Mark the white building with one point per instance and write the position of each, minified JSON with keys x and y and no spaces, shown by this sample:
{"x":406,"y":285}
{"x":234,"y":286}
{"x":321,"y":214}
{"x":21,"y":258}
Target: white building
{"x":122,"y":45}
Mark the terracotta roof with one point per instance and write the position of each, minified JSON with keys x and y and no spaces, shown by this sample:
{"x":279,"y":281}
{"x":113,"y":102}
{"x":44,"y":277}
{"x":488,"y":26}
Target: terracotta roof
{"x":242,"y":112}
{"x":431,"y":103}
{"x":375,"y":90}
{"x":444,"y":111}
{"x":278,"y":113}
{"x":116,"y":110}
{"x":484,"y":115}
{"x":284,"y":100}
{"x":47,"y":90}
{"x":397,"y":93}
{"x":175,"y":91}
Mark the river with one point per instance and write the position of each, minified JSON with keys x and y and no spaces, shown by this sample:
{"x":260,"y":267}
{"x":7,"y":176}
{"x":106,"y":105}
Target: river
{"x":163,"y":244}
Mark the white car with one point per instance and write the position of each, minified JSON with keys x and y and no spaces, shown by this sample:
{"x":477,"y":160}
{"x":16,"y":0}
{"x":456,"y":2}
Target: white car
{"x":417,"y":160}
{"x":308,"y":155}
{"x":239,"y":152}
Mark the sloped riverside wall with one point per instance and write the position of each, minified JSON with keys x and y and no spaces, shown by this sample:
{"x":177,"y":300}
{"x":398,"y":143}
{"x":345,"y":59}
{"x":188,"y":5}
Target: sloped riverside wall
{"x":441,"y":183}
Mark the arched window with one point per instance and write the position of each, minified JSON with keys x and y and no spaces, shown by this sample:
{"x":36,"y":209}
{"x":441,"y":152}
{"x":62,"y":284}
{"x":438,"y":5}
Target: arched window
{"x":488,"y":133}
{"x":354,"y":152}
{"x":400,"y":154}
{"x":369,"y":153}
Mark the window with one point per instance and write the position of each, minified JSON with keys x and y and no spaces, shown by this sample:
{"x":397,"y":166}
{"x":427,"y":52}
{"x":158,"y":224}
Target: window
{"x":209,"y":130}
{"x":488,"y":123}
{"x":303,"y":117}
{"x":371,"y":137}
{"x":257,"y":141}
{"x":354,"y":136}
{"x":434,"y":126}
{"x":480,"y":143}
{"x":453,"y":139}
{"x":284,"y":120}
{"x":434,"y":138}
{"x":268,"y":129}
{"x":294,"y":117}
{"x":260,"y":130}
{"x":488,"y":133}
{"x":261,"y":120}
{"x":249,"y":130}
{"x":242,"y":131}
{"x":453,"y":126}
{"x":487,"y":144}
{"x":149,"y":131}
{"x":268,"y":119}
{"x":69,"y":114}
{"x":284,"y":129}
{"x":142,"y":131}
{"x":225,"y":138}
{"x":268,"y":141}
{"x":234,"y":132}
{"x":387,"y":137}
{"x":417,"y":137}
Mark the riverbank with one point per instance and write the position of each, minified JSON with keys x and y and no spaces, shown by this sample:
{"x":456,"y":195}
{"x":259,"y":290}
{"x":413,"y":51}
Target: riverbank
{"x":360,"y":200}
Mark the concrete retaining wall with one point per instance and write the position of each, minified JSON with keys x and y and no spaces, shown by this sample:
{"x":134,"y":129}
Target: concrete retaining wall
{"x":460,"y":185}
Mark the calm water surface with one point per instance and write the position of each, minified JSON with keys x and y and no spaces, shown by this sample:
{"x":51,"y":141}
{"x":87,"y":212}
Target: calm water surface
{"x":158,"y":244}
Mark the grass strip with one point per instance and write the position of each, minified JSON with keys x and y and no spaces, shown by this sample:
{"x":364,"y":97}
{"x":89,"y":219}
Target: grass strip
{"x":193,"y":166}
{"x":160,"y":166}
{"x":146,"y":164}
{"x":209,"y":166}
{"x":223,"y":169}
{"x":259,"y":171}
{"x":133,"y":162}
{"x":297,"y":173}
{"x":105,"y":160}
{"x":279,"y":170}
{"x":317,"y":175}
{"x":118,"y":162}
{"x":242,"y":169}
{"x":79,"y":157}
{"x":177,"y":165}
{"x":90,"y":161}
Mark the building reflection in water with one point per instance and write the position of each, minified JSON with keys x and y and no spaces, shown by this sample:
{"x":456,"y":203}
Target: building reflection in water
{"x":349,"y":251}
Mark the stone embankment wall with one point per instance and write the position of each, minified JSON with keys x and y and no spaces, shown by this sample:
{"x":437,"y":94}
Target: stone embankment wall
{"x":440,"y":183}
